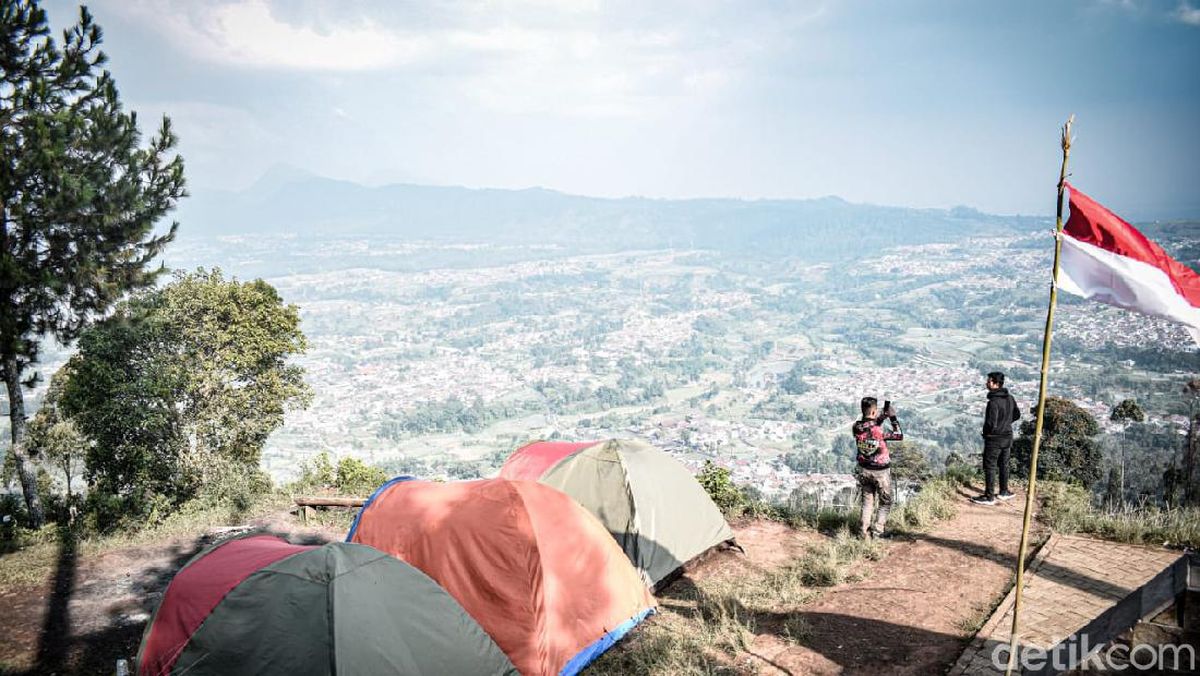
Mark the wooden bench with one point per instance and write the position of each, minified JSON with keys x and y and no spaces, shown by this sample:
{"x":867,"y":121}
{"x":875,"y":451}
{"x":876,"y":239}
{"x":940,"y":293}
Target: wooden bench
{"x":305,"y":504}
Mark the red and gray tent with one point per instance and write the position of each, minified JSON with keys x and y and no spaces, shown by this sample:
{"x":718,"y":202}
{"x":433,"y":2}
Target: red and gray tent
{"x":259,"y":605}
{"x":657,"y":511}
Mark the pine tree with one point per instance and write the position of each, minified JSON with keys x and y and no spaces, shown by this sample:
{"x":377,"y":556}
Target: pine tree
{"x":79,"y":198}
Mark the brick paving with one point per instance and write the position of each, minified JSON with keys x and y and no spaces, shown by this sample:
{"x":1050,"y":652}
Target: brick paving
{"x":1071,"y":581}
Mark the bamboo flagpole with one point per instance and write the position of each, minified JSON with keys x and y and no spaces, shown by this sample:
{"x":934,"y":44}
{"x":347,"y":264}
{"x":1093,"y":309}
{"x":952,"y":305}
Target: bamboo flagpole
{"x":1041,"y":407}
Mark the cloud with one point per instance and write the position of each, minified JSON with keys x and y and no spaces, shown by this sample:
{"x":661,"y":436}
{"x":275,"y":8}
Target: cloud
{"x":248,"y":34}
{"x":223,"y":146}
{"x":1188,"y":14}
{"x":508,"y":56}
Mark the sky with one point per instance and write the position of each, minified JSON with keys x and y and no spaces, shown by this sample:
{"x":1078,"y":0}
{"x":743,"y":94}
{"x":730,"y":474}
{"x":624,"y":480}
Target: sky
{"x":915,"y":103}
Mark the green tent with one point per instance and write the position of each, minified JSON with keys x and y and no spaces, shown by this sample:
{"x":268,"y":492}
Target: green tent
{"x":648,"y":500}
{"x":259,"y":605}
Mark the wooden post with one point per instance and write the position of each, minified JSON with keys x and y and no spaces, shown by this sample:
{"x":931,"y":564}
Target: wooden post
{"x":1041,"y":407}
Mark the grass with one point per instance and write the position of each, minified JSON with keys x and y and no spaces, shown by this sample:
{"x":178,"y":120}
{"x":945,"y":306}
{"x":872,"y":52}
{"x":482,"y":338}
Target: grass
{"x":34,"y":561}
{"x":822,"y":519}
{"x":335,"y":518}
{"x":934,"y":503}
{"x":720,"y":618}
{"x":1068,"y":509}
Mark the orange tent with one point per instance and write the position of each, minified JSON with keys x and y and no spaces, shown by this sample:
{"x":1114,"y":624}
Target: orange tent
{"x":538,"y":572}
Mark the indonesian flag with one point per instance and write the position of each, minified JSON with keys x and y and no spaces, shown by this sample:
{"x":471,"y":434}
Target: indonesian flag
{"x":1106,"y":259}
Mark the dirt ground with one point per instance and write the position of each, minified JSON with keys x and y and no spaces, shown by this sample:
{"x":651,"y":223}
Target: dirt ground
{"x":907,"y":615}
{"x":93,"y":610}
{"x":910,"y":614}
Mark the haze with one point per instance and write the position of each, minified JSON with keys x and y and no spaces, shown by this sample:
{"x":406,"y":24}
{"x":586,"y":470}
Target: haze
{"x":912,"y":104}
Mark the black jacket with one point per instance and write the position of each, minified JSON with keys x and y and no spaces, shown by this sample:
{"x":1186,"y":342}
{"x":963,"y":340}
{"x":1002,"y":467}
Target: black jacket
{"x":1000,"y":415}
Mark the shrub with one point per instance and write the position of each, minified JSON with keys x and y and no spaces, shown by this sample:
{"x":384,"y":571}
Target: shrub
{"x":316,"y":473}
{"x":963,"y":474}
{"x":719,"y":486}
{"x":356,"y":477}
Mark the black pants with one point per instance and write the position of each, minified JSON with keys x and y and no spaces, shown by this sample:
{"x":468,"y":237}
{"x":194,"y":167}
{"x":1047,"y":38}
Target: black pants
{"x":995,"y":455}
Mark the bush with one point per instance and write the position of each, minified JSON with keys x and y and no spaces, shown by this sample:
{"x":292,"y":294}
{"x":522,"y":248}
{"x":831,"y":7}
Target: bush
{"x":963,"y":474}
{"x":350,"y":476}
{"x":356,"y":477}
{"x":317,"y":473}
{"x":229,"y":483}
{"x":719,"y":486}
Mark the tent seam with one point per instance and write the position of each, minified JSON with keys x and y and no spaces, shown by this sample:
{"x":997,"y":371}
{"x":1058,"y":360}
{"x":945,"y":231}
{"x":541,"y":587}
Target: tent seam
{"x":261,"y":572}
{"x":329,"y":620}
{"x":541,"y":611}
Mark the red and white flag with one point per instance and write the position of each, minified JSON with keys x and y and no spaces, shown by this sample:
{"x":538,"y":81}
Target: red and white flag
{"x":1106,"y":259}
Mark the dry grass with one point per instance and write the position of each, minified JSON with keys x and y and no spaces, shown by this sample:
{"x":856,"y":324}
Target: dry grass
{"x":706,"y":629}
{"x":1069,"y":509}
{"x":934,"y":503}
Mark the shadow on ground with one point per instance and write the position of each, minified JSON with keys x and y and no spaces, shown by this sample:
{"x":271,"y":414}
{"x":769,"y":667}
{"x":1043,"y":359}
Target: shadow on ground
{"x":856,"y":645}
{"x":62,"y":652}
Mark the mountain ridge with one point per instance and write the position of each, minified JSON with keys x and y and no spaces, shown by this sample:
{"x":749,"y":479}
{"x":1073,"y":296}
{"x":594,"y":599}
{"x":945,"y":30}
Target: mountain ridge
{"x":294,"y":202}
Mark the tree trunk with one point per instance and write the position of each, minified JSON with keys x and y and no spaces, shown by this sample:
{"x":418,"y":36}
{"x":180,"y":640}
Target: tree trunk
{"x":16,"y":417}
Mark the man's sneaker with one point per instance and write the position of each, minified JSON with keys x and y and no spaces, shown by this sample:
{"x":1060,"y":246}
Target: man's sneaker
{"x":1006,"y":496}
{"x":984,"y":500}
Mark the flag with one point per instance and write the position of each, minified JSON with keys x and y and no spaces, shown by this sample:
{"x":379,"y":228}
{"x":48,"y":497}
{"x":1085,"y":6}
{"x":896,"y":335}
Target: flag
{"x":1106,"y":259}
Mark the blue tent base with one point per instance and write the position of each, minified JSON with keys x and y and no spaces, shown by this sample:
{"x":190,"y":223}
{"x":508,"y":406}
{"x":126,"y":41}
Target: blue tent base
{"x":596,"y":649}
{"x":396,"y":480}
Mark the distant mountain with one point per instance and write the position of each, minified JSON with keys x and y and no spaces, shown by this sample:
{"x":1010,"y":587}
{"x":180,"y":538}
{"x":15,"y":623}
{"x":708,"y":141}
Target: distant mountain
{"x":294,"y":202}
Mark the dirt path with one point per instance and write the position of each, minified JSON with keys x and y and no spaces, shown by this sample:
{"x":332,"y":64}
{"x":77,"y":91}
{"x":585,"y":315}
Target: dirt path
{"x":93,"y":609}
{"x":914,"y":609}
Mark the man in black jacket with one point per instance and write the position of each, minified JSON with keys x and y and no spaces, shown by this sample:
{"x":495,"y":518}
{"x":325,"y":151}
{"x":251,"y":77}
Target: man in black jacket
{"x":998,"y":420}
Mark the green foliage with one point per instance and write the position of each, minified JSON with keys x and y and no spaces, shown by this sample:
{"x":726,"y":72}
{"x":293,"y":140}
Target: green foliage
{"x":453,"y":468}
{"x":80,"y":193}
{"x":448,"y":416}
{"x":1069,"y":450}
{"x":960,"y":471}
{"x":54,"y":439}
{"x":316,"y":473}
{"x":1069,"y":508}
{"x":909,"y":461}
{"x":1127,"y":411}
{"x":350,"y":476}
{"x":357,"y":478}
{"x":793,"y":383}
{"x":717,"y":483}
{"x":181,"y":387}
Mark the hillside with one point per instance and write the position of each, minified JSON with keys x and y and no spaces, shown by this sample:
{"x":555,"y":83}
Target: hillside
{"x":285,"y":201}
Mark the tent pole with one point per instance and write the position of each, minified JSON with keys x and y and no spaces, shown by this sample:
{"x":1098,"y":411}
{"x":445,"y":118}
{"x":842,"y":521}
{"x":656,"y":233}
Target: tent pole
{"x":1041,"y":407}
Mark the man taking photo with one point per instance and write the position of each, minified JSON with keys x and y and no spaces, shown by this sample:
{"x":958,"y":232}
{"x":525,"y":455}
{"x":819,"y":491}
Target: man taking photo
{"x":998,"y":419}
{"x":874,"y":464}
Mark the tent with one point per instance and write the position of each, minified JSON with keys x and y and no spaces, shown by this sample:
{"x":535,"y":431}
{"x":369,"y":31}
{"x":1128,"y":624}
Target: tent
{"x":259,"y":605}
{"x":537,"y":571}
{"x":657,"y":511}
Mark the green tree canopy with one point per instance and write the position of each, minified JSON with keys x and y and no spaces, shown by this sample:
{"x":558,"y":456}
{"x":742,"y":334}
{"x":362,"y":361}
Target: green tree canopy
{"x":79,"y":197}
{"x":1127,"y":411}
{"x":909,"y":461}
{"x":184,"y":378}
{"x":54,"y":439}
{"x":1069,"y":451}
